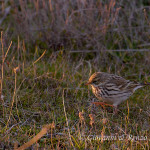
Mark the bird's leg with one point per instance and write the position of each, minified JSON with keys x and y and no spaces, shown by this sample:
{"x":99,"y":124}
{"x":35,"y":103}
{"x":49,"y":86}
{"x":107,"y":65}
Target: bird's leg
{"x":102,"y":104}
{"x":115,"y":110}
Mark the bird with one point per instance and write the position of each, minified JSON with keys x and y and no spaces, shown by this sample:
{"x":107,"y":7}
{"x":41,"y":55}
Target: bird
{"x":112,"y":89}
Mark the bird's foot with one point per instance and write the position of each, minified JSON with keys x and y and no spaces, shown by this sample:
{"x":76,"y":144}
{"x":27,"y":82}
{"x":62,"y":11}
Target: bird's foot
{"x":102,"y":104}
{"x":115,"y":110}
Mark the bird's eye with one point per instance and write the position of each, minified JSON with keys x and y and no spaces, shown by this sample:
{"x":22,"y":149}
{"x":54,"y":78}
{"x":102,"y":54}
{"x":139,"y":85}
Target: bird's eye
{"x":94,"y":81}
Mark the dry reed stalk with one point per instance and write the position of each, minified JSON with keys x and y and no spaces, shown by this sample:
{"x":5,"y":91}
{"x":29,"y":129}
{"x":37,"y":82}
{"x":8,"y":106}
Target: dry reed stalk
{"x":14,"y":95}
{"x":50,"y":5}
{"x":2,"y":74}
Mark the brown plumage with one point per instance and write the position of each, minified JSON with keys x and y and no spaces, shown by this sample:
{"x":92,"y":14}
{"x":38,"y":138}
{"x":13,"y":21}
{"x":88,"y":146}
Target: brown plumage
{"x":112,"y":89}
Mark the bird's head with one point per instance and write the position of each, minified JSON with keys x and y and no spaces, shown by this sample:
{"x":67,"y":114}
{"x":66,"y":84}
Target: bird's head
{"x":95,"y":79}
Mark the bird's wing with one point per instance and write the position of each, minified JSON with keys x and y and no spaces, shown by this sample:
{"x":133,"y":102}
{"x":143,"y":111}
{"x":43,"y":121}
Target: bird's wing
{"x":121,"y":83}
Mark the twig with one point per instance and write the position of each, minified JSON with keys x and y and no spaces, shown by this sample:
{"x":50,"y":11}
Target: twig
{"x":7,"y":51}
{"x":12,"y":127}
{"x":39,"y":57}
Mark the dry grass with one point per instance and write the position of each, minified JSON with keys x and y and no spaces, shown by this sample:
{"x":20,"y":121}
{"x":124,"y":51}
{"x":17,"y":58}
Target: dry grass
{"x":41,"y":86}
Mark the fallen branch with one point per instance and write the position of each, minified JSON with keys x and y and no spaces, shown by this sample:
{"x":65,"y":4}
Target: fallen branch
{"x":37,"y":137}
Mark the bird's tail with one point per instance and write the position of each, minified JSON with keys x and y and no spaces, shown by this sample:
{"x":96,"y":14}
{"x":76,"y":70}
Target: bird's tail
{"x":139,"y":85}
{"x":145,"y":84}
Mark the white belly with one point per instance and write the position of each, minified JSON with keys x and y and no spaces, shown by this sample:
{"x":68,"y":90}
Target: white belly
{"x":112,"y":97}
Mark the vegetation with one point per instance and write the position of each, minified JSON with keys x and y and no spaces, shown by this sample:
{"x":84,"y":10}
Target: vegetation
{"x":48,"y":50}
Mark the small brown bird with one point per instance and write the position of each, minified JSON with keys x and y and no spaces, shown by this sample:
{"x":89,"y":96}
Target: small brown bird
{"x":112,"y":89}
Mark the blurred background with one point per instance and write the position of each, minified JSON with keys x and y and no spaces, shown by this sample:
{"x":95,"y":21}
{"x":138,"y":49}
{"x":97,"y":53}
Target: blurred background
{"x":103,"y":30}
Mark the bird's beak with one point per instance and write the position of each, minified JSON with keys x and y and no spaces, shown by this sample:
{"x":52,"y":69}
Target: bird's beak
{"x":87,"y":83}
